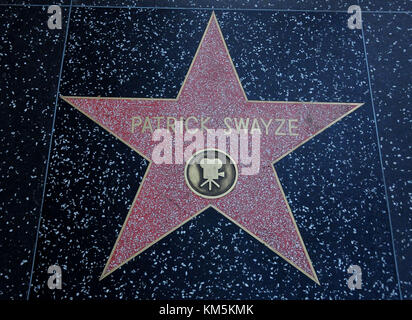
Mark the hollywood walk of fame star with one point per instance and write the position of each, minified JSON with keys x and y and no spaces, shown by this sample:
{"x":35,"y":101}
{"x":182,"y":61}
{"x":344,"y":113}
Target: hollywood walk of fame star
{"x":164,"y":202}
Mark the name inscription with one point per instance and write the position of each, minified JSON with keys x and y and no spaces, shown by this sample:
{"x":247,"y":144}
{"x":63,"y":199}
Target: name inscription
{"x":192,"y":124}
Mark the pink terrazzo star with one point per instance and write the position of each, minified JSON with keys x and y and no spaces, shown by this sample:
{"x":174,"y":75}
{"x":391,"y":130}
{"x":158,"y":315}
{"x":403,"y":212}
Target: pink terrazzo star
{"x":257,"y":203}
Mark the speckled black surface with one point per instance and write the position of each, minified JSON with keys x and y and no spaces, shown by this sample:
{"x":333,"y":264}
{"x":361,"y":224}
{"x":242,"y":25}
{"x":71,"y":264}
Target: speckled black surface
{"x":390,"y":55}
{"x":341,"y":5}
{"x":259,"y":4}
{"x":379,"y":5}
{"x":230,"y":4}
{"x":119,"y":3}
{"x":334,"y":183}
{"x":30,"y":56}
{"x":35,"y":2}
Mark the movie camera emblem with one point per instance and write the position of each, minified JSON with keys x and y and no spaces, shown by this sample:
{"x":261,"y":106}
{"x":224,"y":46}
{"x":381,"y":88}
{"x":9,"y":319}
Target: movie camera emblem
{"x":211,"y":173}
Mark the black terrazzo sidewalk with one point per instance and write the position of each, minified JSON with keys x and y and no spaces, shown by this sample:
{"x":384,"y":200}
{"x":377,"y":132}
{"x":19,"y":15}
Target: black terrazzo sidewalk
{"x":348,"y":188}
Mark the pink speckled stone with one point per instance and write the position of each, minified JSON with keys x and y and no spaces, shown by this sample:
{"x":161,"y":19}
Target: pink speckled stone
{"x":257,"y":202}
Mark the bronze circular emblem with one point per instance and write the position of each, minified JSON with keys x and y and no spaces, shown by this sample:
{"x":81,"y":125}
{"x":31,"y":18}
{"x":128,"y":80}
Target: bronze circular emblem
{"x":211,"y":173}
